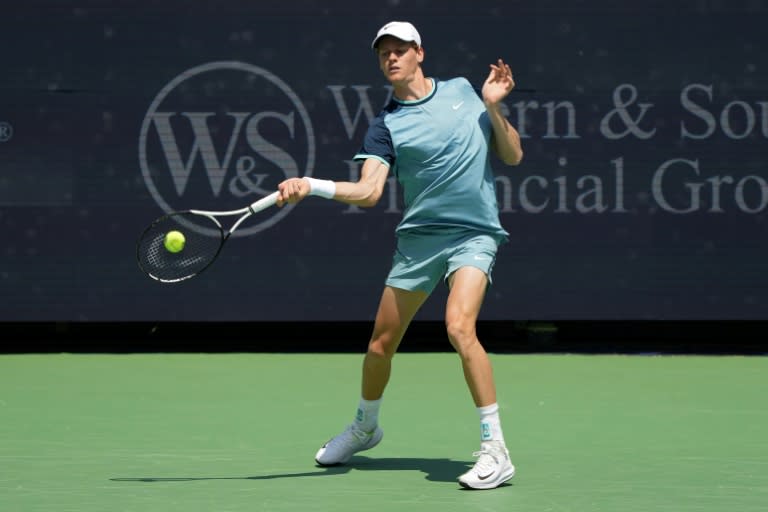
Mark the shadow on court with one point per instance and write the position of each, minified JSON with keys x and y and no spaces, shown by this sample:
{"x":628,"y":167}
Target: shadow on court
{"x":436,"y":470}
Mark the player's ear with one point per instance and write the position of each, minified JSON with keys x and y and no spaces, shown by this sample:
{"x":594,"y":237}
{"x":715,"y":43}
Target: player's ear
{"x":419,"y":54}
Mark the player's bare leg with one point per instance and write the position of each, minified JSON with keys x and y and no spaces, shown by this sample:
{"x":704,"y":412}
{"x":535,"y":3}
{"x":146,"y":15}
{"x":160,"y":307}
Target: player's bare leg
{"x":468,"y":285}
{"x":493,"y":467}
{"x":396,"y":310}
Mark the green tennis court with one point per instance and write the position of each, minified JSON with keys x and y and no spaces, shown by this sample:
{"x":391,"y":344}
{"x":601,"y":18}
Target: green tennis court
{"x":238,"y":432}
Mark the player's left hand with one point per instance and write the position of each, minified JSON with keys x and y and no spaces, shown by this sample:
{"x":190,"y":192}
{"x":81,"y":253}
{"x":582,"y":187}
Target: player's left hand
{"x":499,"y":83}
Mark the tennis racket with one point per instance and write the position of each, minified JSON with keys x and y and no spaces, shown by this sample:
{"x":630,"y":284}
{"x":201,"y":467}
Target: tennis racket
{"x":203,"y":238}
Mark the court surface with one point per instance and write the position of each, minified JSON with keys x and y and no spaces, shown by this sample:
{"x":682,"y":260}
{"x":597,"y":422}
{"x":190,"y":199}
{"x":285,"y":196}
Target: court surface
{"x":238,"y":432}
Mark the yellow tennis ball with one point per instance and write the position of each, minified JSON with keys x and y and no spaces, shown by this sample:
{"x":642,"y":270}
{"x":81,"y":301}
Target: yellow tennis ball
{"x":174,"y":241}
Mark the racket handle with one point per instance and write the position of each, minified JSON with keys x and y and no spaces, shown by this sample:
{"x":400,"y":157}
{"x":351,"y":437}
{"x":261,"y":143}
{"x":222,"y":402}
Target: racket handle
{"x":264,"y":202}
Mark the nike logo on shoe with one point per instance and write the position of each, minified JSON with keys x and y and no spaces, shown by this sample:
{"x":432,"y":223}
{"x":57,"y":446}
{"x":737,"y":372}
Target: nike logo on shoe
{"x":486,"y":477}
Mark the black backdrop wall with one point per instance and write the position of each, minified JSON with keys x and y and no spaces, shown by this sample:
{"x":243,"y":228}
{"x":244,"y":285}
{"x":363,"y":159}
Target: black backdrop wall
{"x":642,"y":197}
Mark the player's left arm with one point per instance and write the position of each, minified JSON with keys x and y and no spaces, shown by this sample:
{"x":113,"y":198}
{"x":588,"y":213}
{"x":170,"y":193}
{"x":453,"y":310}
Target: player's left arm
{"x":506,"y":139}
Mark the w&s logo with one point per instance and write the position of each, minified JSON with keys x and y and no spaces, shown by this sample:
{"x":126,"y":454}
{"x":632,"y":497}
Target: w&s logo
{"x":220,"y":136}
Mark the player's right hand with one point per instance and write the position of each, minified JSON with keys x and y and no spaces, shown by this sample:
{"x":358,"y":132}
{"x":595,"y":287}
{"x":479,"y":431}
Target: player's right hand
{"x":292,"y":191}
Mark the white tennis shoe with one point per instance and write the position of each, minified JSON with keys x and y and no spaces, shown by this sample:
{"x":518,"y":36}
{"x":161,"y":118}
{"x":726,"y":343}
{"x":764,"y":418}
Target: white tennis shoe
{"x":492,"y":468}
{"x":341,"y":448}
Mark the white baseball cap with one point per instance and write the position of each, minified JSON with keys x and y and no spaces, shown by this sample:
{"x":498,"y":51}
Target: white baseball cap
{"x":399,"y":29}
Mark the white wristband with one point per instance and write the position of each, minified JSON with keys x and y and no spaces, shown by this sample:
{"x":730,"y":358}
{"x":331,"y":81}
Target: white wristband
{"x":322,"y":188}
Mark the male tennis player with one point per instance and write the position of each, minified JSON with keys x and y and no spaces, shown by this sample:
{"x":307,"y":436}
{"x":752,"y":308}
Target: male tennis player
{"x":435,"y":137}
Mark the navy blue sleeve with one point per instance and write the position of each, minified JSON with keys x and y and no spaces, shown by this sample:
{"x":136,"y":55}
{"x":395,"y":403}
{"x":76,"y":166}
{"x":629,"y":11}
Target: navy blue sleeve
{"x":377,"y":143}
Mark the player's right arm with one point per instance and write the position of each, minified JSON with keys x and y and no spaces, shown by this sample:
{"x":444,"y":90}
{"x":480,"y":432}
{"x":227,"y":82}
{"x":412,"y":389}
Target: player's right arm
{"x":365,"y":192}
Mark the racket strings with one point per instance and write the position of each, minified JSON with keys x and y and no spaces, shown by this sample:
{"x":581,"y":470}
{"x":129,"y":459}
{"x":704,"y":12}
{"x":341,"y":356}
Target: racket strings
{"x":203,"y":240}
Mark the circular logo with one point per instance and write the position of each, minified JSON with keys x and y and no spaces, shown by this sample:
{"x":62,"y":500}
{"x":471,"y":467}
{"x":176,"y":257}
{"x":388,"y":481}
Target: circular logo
{"x":6,"y":131}
{"x":222,"y":135}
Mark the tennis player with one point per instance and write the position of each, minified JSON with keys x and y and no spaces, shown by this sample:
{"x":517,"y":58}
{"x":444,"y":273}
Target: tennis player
{"x":435,"y":136}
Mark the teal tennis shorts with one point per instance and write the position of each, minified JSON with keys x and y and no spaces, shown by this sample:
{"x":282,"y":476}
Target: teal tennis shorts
{"x":421,"y":261}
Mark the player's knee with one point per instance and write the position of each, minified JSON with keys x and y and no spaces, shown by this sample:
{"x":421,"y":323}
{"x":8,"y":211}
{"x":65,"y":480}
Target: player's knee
{"x":461,"y":332}
{"x":382,"y":347}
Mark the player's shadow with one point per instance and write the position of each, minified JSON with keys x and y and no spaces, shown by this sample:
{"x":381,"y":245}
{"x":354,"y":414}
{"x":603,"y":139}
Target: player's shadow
{"x":435,"y":470}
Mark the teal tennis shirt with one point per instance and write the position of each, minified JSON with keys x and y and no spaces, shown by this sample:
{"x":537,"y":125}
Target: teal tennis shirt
{"x":438,"y":149}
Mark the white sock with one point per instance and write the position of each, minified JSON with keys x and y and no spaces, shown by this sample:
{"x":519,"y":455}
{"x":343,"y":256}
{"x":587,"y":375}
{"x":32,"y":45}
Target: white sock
{"x":367,"y":417}
{"x":490,"y":424}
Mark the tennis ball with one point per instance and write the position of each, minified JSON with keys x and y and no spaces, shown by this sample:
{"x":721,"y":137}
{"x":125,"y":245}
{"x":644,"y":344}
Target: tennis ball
{"x":174,"y":241}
